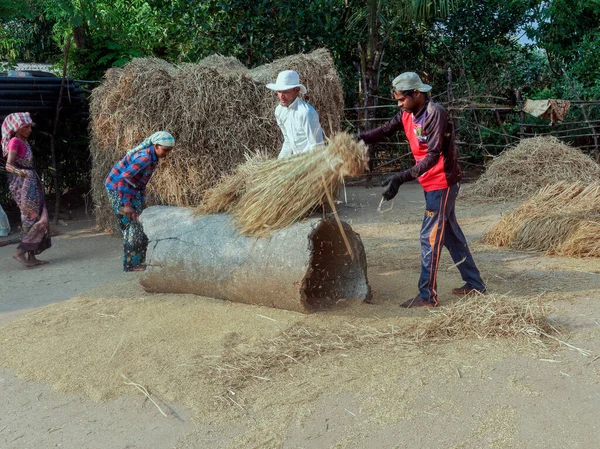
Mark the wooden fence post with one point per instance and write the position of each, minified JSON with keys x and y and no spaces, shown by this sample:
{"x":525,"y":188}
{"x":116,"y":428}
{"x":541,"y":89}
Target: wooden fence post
{"x":53,"y":137}
{"x":521,"y":114}
{"x":451,"y":103}
{"x":497,"y":116}
{"x":450,"y":96}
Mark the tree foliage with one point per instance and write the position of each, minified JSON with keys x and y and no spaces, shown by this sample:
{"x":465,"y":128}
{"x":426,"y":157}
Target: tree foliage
{"x":569,"y":32}
{"x":25,"y":34}
{"x":480,"y":42}
{"x":259,"y":31}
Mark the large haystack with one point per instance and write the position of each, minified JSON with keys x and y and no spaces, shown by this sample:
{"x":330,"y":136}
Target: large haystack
{"x":218,"y":110}
{"x":534,"y":163}
{"x":562,"y":219}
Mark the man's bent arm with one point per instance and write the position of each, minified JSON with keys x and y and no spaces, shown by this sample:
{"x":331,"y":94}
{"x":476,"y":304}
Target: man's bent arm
{"x":383,"y":132}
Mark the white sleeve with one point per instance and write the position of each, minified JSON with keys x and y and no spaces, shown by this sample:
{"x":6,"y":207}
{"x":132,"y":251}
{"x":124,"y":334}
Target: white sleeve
{"x":286,"y":149}
{"x":314,"y":132}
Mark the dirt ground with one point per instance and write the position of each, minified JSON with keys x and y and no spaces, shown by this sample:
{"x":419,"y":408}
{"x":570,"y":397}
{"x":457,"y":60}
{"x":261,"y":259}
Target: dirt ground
{"x":78,"y":335}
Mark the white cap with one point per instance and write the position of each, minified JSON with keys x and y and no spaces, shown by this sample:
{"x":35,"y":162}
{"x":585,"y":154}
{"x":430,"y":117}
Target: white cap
{"x":288,"y":79}
{"x":409,"y":81}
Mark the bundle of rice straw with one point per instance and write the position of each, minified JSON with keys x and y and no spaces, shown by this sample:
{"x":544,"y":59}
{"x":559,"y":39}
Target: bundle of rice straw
{"x":584,"y":241}
{"x":217,"y":110}
{"x":534,"y":163}
{"x":562,"y":219}
{"x":223,"y":196}
{"x":276,"y":193}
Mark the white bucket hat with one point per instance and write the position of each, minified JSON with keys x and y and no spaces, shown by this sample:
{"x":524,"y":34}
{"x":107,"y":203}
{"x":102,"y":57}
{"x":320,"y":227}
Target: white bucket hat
{"x":288,"y":79}
{"x":409,"y":81}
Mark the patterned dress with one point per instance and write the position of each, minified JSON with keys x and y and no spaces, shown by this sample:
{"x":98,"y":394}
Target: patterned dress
{"x":135,"y":241}
{"x":28,"y":193}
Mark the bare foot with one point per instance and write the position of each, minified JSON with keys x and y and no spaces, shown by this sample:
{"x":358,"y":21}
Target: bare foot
{"x":139,"y":268}
{"x":21,"y":258}
{"x":34,"y":262}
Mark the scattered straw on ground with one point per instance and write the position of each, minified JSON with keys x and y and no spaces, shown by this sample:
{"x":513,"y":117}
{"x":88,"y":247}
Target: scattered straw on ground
{"x":188,"y":350}
{"x":490,"y":316}
{"x":561,"y":219}
{"x":217,"y":110}
{"x":534,"y":163}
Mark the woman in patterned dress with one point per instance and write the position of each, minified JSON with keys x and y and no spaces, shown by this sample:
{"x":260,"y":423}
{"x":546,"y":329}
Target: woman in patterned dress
{"x":26,"y":188}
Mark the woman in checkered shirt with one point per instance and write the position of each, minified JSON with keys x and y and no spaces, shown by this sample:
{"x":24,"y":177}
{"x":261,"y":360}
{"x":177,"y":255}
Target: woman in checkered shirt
{"x":126,"y":189}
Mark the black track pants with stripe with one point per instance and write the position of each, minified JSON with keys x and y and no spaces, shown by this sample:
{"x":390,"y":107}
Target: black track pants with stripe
{"x":440,"y":228}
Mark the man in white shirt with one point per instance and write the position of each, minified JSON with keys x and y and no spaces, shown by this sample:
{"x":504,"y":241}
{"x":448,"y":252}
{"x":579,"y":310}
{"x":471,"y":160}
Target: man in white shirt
{"x":298,"y":120}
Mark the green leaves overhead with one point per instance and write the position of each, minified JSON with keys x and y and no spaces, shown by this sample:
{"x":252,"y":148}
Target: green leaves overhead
{"x":478,"y":39}
{"x":259,"y":31}
{"x":569,"y":32}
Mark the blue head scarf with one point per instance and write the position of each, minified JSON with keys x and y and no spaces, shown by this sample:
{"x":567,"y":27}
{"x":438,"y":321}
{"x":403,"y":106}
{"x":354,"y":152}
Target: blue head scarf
{"x":158,"y":138}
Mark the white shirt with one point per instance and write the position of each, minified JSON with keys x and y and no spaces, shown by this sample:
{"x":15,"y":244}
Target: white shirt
{"x":299,"y":123}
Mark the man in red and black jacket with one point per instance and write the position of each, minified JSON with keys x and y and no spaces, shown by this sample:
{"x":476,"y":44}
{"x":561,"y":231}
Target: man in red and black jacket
{"x":431,"y":138}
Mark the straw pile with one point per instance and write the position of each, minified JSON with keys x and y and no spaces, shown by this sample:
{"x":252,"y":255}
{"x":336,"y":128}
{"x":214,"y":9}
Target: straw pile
{"x":562,"y":219}
{"x":490,"y":316}
{"x":534,"y":163}
{"x":265,"y":195}
{"x":218,"y":110}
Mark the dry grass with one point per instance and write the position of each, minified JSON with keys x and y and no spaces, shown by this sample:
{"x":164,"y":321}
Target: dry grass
{"x":265,"y":194}
{"x":284,"y":191}
{"x":561,"y":219}
{"x":218,"y":110}
{"x":223,"y":62}
{"x":584,"y":241}
{"x":224,"y":195}
{"x":534,"y":163}
{"x":489,"y":316}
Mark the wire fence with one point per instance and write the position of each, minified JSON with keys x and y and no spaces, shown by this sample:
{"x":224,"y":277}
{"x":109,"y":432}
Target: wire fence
{"x":483,"y":130}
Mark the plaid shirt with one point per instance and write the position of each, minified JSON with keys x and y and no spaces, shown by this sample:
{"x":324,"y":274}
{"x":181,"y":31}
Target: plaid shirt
{"x":131,"y":174}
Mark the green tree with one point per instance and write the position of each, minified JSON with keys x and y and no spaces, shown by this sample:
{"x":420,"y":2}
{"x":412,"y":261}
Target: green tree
{"x":380,"y":21}
{"x":106,"y":32}
{"x":568,"y":31}
{"x":259,"y":31}
{"x":480,"y":42}
{"x":25,"y":34}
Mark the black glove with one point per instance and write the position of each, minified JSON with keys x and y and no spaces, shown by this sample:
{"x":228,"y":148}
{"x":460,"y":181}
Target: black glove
{"x":393,"y":183}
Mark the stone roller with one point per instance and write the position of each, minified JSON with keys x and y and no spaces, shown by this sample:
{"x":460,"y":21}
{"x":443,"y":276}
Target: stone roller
{"x":304,"y":267}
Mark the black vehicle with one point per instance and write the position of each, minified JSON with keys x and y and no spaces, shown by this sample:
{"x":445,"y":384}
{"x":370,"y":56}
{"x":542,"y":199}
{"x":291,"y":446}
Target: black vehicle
{"x":37,"y":92}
